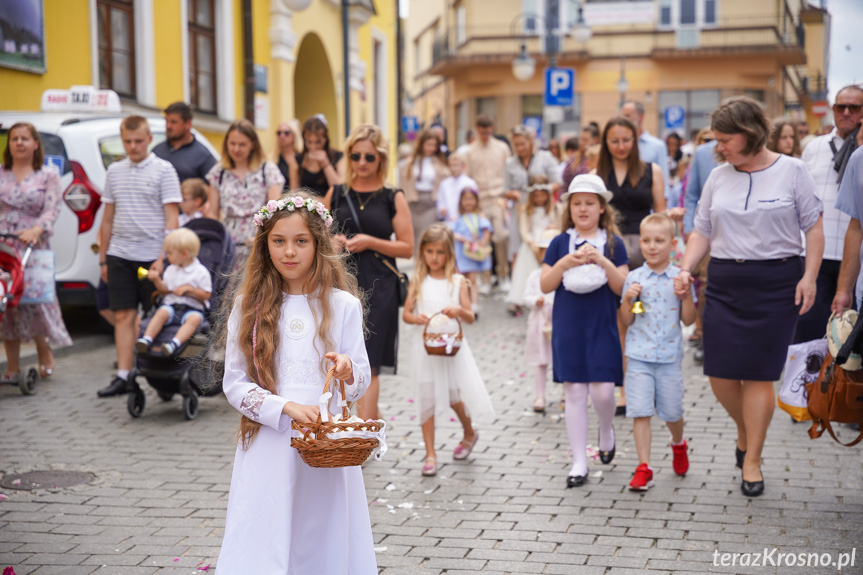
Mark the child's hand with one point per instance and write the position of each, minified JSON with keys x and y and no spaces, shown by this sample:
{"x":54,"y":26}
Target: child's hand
{"x":153,"y":275}
{"x":301,"y":413}
{"x":452,"y":311}
{"x":682,"y":283}
{"x":676,"y":214}
{"x":344,"y":367}
{"x":633,"y":292}
{"x":182,"y":290}
{"x":539,"y":302}
{"x":459,"y":238}
{"x":422,"y":319}
{"x":590,"y":254}
{"x":572,"y":260}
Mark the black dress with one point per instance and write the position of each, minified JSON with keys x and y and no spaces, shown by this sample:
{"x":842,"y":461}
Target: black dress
{"x":317,"y":181}
{"x":633,"y":204}
{"x":378,"y":283}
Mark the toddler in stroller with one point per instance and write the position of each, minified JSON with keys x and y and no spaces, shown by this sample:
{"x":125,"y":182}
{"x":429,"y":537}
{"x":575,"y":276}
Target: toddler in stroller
{"x":171,"y":349}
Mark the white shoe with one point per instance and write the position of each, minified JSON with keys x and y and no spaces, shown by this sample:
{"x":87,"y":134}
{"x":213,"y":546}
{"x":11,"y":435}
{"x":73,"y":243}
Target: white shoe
{"x":484,"y":289}
{"x":504,"y":285}
{"x":474,"y":307}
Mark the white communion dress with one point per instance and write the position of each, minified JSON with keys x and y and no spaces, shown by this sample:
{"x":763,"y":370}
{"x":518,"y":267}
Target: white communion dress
{"x":442,"y":380}
{"x":531,"y":228}
{"x":284,"y":517}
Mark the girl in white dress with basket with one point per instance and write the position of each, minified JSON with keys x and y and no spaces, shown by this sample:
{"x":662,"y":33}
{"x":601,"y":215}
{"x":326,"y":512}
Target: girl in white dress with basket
{"x":443,"y":367}
{"x":296,"y":318}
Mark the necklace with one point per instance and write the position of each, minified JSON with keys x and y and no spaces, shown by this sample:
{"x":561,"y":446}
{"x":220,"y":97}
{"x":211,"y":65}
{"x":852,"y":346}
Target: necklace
{"x":362,"y":203}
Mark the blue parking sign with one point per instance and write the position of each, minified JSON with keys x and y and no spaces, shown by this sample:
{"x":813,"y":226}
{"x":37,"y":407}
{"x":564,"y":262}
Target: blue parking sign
{"x":674,"y":117}
{"x":410,"y":124}
{"x":559,"y":87}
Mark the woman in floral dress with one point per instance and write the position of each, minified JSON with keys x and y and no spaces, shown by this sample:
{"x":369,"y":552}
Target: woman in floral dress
{"x":29,"y":206}
{"x":241,"y":184}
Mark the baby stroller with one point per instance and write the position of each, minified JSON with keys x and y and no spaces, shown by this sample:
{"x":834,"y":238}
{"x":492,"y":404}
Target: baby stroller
{"x":190,"y":373}
{"x":11,"y":288}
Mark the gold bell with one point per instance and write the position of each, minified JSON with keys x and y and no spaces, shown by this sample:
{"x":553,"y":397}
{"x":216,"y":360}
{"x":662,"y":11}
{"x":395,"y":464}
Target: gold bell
{"x":142,"y":273}
{"x":637,"y":306}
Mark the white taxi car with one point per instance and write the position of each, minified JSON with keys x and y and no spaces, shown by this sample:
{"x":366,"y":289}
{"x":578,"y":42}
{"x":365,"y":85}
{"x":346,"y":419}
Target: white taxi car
{"x":81,"y":145}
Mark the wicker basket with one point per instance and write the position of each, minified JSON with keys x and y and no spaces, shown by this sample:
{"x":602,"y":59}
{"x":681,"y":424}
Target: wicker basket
{"x":318,"y":450}
{"x":438,"y":344}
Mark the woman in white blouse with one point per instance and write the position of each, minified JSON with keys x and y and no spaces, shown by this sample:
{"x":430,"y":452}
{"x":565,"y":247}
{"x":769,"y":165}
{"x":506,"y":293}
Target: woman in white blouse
{"x":750,"y":218}
{"x":420,"y":179}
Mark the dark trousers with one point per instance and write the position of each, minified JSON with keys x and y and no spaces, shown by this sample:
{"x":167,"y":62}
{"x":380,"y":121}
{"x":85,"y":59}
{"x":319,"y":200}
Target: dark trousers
{"x":813,"y":324}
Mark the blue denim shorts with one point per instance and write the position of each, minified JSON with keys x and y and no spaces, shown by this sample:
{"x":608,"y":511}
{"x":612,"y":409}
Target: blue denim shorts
{"x":179,"y":316}
{"x":654,"y":389}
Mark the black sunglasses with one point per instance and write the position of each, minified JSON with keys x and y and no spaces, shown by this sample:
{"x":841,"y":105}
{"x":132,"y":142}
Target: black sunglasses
{"x":853,"y":108}
{"x":283,"y":133}
{"x":706,"y":140}
{"x":370,"y":158}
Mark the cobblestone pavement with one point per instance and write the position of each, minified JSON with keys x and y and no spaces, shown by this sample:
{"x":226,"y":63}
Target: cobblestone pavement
{"x":158,"y":502}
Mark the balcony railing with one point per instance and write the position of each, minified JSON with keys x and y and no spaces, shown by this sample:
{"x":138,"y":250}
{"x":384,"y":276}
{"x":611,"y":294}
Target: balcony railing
{"x":729,"y":35}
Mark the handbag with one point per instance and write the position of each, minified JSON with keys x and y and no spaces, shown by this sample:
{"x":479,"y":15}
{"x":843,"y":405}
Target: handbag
{"x":473,"y":250}
{"x":39,"y":286}
{"x":802,"y":366}
{"x":836,"y":396}
{"x":402,"y":278}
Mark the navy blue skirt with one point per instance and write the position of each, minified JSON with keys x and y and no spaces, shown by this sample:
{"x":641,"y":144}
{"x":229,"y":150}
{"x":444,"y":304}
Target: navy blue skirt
{"x":750,"y":317}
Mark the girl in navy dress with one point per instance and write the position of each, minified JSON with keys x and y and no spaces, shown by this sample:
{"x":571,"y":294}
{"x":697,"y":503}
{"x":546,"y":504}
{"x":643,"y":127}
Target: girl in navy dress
{"x":586,"y":266}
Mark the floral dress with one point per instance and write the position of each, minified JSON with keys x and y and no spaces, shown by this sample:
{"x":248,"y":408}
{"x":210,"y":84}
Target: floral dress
{"x":240,"y":199}
{"x":35,"y":201}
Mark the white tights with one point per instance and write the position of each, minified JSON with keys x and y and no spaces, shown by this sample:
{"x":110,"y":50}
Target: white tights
{"x":539,"y":381}
{"x":602,"y":397}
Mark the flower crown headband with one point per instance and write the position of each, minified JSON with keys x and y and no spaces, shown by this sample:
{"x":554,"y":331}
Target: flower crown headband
{"x":292,"y":205}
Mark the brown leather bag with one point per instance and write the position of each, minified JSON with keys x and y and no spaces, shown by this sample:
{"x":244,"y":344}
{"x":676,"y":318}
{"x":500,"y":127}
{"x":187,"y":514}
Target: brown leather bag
{"x":836,"y":396}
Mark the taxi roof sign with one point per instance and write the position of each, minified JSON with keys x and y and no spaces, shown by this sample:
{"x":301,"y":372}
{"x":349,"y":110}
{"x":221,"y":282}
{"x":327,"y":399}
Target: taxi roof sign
{"x":81,"y":99}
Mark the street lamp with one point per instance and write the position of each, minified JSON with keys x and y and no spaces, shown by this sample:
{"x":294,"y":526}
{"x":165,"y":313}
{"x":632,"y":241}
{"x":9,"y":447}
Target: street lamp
{"x":523,"y":66}
{"x":622,"y":84}
{"x":581,"y":31}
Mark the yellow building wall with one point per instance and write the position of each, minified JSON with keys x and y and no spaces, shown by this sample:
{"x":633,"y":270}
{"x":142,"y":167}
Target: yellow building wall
{"x":67,"y":57}
{"x":168,"y":29}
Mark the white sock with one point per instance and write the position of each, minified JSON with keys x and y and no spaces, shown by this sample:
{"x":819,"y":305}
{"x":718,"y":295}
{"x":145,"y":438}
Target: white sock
{"x":682,"y":441}
{"x":123,"y":374}
{"x":176,"y":342}
{"x":539,"y":381}
{"x":576,"y":425}
{"x":148,"y":339}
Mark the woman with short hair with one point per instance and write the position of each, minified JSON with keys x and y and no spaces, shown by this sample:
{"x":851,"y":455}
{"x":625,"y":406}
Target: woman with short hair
{"x":750,"y":217}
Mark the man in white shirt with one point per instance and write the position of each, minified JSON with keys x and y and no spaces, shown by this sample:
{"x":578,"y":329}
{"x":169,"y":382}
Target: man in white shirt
{"x":819,"y":157}
{"x":650,"y":148}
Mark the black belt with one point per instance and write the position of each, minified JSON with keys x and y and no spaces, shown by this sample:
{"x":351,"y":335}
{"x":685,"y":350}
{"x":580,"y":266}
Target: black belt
{"x":745,"y":261}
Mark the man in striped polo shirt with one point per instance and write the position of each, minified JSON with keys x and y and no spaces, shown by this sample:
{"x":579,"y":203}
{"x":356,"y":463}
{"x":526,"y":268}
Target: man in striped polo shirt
{"x":142,"y":199}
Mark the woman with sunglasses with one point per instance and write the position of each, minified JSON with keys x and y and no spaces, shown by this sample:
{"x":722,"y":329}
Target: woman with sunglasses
{"x":420,"y":179}
{"x":320,"y":167}
{"x":288,"y":147}
{"x":367,"y":213}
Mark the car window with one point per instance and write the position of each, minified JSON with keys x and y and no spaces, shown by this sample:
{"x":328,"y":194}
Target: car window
{"x":55,"y":151}
{"x":112,"y":150}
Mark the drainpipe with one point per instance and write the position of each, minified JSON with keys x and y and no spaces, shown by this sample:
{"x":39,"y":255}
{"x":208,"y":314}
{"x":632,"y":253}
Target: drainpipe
{"x":399,"y":80}
{"x":346,"y":74}
{"x":248,"y":63}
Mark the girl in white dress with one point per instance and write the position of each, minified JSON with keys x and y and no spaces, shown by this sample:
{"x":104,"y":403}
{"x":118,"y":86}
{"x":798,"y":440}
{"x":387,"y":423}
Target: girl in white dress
{"x":537,"y":348}
{"x":535,"y":216}
{"x":443,"y":381}
{"x":296,"y":315}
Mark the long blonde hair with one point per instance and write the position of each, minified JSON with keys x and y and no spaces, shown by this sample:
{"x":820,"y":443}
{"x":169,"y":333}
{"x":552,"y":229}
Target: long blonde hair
{"x":436,"y":233}
{"x":262,"y":290}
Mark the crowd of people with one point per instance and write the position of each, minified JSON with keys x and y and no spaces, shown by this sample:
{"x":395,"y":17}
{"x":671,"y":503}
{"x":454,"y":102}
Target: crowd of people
{"x":610,"y":246}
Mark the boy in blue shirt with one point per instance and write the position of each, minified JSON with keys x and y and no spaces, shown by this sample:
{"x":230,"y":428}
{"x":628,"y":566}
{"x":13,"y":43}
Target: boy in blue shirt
{"x":654,"y":347}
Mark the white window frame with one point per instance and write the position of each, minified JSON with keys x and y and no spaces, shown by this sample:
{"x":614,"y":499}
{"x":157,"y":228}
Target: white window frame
{"x":460,"y":24}
{"x":225,"y":83}
{"x":675,"y":15}
{"x":381,"y":72}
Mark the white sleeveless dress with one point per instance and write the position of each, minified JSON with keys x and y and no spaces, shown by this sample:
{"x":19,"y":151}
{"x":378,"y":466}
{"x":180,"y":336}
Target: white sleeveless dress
{"x":442,"y":380}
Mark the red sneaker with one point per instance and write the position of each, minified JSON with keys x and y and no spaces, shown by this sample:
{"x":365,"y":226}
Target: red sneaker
{"x":680,"y":463}
{"x":643,"y":479}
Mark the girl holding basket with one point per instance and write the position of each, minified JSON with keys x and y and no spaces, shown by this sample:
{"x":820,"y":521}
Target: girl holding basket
{"x":438,"y":300}
{"x":296,"y":314}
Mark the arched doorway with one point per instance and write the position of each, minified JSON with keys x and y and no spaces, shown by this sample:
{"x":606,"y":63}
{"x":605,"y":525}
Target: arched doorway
{"x":314,"y":91}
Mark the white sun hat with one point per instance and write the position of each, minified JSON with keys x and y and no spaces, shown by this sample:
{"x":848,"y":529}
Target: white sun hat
{"x":587,"y":183}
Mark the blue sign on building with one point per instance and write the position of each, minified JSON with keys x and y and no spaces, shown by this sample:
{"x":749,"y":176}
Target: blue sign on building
{"x":535,"y":123}
{"x":675,"y":116}
{"x":410,"y":124}
{"x":559,"y":87}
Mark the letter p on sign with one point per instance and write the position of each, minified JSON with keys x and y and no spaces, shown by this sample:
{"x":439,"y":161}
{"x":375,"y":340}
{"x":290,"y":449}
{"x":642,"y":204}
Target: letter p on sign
{"x":559,"y":86}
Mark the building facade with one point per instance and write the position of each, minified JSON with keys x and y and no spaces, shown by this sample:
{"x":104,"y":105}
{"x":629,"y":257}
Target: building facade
{"x":155,"y":52}
{"x":671,"y":55}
